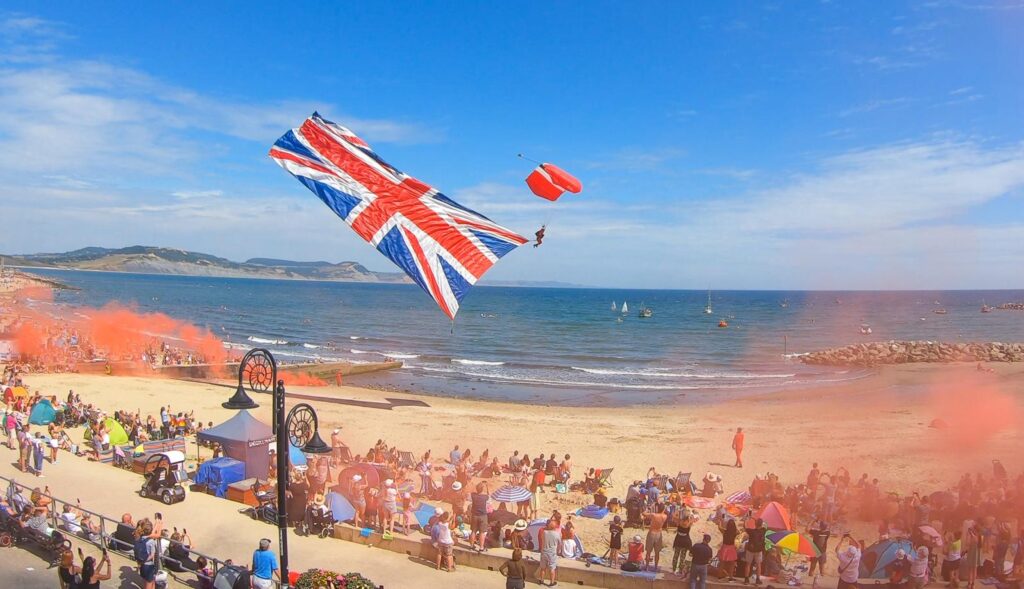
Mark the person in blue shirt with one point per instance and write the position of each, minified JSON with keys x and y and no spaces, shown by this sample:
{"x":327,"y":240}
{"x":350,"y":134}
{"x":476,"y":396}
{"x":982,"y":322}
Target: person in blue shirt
{"x":264,"y":567}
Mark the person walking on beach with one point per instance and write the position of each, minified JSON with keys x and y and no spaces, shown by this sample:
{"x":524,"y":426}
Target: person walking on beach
{"x":737,"y":446}
{"x":699,"y":569}
{"x":444,"y":543}
{"x":478,"y":515}
{"x":264,"y":567}
{"x":819,"y":535}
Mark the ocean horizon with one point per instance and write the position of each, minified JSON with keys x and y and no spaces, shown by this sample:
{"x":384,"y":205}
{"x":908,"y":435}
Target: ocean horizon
{"x":556,"y":345}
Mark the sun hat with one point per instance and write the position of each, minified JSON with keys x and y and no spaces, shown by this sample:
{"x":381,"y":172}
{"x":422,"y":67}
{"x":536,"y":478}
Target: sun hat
{"x":389,"y":482}
{"x":637,"y":538}
{"x":406,"y":496}
{"x":901,"y":553}
{"x":337,"y":430}
{"x":520,"y":525}
{"x":456,"y":486}
{"x":438,"y":511}
{"x":357,"y":477}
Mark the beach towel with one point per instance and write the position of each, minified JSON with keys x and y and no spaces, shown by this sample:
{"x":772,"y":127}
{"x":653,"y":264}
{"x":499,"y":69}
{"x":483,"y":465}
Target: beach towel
{"x":738,"y":497}
{"x":699,"y":502}
{"x":593,"y":512}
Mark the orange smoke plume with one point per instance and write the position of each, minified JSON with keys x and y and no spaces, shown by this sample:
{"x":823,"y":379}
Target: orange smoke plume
{"x":302,"y":379}
{"x":974,"y":409}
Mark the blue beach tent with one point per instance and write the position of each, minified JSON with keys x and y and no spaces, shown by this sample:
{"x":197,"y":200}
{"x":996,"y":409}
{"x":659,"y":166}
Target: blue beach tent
{"x":43,"y":413}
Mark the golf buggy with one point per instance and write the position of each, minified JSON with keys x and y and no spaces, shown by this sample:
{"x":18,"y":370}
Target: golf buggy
{"x":165,"y":473}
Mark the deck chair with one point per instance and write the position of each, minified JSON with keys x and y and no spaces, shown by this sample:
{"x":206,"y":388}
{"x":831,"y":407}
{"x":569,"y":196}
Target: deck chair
{"x":345,"y":455}
{"x":683,"y":483}
{"x":604,"y":477}
{"x":406,"y":460}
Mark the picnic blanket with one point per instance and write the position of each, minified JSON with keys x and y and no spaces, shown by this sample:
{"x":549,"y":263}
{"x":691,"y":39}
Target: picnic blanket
{"x":699,"y":502}
{"x":739,"y":497}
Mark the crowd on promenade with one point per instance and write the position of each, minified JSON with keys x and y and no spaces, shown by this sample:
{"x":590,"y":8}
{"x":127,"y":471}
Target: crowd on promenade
{"x":681,"y":525}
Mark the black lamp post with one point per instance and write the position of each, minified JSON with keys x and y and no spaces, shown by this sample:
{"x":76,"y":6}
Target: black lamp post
{"x":259,"y":367}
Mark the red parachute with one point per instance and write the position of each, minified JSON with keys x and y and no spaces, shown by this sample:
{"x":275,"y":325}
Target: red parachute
{"x":550,"y":182}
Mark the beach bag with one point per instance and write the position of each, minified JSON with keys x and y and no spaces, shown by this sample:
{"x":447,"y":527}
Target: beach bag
{"x":561,"y":488}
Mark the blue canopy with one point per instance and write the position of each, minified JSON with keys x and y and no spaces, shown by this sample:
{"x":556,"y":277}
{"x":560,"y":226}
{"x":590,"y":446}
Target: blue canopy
{"x":341,"y":509}
{"x":219,"y":473}
{"x":296,"y":456}
{"x":423,"y":514}
{"x":244,"y":438}
{"x":880,"y":555}
{"x":43,"y":413}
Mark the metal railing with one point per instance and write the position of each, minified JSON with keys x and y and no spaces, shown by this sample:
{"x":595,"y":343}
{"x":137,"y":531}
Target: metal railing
{"x":106,"y":540}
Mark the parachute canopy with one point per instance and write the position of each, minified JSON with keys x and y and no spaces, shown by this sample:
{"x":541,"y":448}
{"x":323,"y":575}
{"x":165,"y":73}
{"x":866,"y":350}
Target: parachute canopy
{"x":443,"y":246}
{"x":550,"y":182}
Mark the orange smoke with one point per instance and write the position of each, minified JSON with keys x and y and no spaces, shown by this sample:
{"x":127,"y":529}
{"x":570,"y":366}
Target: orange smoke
{"x":29,"y":339}
{"x":36,"y":293}
{"x":302,"y":379}
{"x":974,"y":409}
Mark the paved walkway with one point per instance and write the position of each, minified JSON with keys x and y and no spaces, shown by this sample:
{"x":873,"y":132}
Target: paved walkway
{"x":216,"y":528}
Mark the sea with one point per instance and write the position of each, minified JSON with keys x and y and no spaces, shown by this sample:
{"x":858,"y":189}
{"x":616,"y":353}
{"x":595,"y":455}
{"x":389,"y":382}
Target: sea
{"x":559,"y":346}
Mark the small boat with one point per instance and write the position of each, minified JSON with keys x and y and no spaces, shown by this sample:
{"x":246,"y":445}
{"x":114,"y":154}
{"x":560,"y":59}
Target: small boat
{"x":985,"y":308}
{"x":614,"y":308}
{"x":625,"y":308}
{"x":865,"y":329}
{"x":645,"y":312}
{"x":723,"y":323}
{"x":940,"y":311}
{"x":618,"y":319}
{"x":707,"y":308}
{"x":784,"y":304}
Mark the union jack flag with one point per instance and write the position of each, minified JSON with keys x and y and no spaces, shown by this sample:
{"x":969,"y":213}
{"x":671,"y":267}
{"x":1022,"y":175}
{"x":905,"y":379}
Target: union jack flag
{"x":443,"y":246}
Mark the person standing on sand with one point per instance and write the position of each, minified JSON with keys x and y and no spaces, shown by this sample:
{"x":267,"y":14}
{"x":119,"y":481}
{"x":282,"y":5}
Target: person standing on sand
{"x":849,"y":562}
{"x":550,"y":542}
{"x":514,"y":571}
{"x":737,"y":446}
{"x":701,"y":558}
{"x":655,"y":539}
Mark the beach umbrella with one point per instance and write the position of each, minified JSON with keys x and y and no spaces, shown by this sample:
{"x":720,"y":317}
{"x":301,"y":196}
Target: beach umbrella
{"x":880,"y":555}
{"x":931,"y":533}
{"x":775,"y":516}
{"x":370,"y":474}
{"x":511,"y":494}
{"x":794,"y":543}
{"x":341,"y":509}
{"x":423,"y":514}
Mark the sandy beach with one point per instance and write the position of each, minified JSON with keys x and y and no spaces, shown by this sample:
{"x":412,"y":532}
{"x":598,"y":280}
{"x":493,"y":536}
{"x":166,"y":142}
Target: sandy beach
{"x":879,"y":426}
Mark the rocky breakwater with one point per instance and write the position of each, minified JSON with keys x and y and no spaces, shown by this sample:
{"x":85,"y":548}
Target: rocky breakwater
{"x":1012,"y":306}
{"x":905,"y":352}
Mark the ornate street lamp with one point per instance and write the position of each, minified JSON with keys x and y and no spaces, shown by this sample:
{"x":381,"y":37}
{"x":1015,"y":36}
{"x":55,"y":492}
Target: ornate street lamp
{"x":259,"y":369}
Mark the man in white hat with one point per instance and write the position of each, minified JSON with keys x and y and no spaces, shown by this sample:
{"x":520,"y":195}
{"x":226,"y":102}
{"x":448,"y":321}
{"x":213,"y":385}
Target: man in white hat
{"x":849,"y":562}
{"x":459,"y":497}
{"x":358,"y":495}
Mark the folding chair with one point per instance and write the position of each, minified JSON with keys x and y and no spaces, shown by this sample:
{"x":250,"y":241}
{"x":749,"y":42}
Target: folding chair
{"x":406,"y":460}
{"x":604,"y":477}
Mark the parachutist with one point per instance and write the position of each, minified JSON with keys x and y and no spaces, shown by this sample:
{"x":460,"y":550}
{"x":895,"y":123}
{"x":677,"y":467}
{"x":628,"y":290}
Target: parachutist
{"x":540,"y":236}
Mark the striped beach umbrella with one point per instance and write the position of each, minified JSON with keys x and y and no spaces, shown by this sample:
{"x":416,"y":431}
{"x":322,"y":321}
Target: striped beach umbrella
{"x":794,"y":543}
{"x":511,"y":494}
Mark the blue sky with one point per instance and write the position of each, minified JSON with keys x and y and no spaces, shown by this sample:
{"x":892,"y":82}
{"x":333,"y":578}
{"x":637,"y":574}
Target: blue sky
{"x":731,"y":145}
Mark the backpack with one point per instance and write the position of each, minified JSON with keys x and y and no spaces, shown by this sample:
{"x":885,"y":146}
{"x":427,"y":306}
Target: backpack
{"x":141,"y":550}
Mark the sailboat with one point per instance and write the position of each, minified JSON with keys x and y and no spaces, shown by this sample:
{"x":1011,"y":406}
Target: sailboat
{"x":614,"y":308}
{"x":645,"y":311}
{"x":707,"y":308}
{"x":625,"y":308}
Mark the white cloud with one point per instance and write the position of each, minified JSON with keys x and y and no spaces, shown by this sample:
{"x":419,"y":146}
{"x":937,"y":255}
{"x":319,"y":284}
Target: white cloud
{"x":633,"y":159}
{"x":197,"y":194}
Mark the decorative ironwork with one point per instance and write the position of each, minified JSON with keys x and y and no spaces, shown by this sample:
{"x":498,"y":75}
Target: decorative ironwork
{"x":258,"y":370}
{"x":301,"y":425}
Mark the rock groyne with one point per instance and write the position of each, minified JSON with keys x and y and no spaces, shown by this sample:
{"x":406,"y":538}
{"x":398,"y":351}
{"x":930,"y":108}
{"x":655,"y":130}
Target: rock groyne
{"x":906,"y":352}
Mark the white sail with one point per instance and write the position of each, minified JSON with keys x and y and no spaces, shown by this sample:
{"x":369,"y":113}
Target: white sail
{"x":625,"y":307}
{"x":614,"y":308}
{"x":707,"y":308}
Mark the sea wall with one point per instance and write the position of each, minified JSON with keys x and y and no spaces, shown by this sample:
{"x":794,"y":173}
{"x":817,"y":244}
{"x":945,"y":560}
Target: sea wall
{"x":906,"y":352}
{"x":1012,"y":306}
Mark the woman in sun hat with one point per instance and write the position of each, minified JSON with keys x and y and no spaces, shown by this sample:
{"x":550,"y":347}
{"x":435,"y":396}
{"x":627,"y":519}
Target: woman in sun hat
{"x":389,"y":507}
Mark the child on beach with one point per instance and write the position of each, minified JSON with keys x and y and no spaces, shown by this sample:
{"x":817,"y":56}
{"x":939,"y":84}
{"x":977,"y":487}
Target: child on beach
{"x":615,"y":542}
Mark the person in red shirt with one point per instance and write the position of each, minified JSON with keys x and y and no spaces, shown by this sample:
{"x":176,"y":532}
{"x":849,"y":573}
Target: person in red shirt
{"x":737,"y":446}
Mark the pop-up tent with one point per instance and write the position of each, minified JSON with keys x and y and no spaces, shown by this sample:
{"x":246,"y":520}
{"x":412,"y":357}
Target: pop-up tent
{"x":43,"y":413}
{"x":243,"y":438}
{"x":118,"y":437}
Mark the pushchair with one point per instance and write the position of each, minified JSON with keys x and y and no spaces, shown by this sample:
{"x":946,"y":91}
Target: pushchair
{"x":634,"y":513}
{"x":319,"y":521}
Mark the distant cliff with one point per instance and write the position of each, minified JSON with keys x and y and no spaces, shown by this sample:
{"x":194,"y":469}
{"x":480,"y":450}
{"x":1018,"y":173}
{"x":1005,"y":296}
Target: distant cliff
{"x":160,"y":260}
